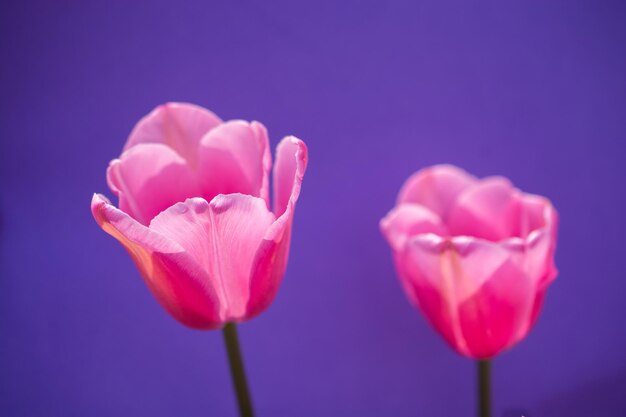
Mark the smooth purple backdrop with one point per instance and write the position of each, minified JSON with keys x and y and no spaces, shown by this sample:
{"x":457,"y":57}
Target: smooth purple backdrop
{"x":529,"y":90}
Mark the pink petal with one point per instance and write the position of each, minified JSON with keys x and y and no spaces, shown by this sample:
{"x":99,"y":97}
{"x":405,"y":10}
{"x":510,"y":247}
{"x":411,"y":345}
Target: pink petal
{"x":175,"y":279}
{"x":532,"y":214}
{"x":537,"y":304}
{"x":291,"y":162}
{"x":407,"y":220}
{"x":535,"y":256}
{"x":234,"y":158}
{"x":424,"y":272}
{"x":491,"y":317}
{"x":436,"y":188}
{"x":271,"y":259}
{"x":487,"y":210}
{"x":180,"y":126}
{"x":222,"y":236}
{"x":470,"y":290}
{"x":148,"y":178}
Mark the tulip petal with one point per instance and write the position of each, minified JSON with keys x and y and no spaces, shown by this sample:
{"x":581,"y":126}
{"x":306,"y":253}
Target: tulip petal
{"x":235,"y":158}
{"x":436,"y":188}
{"x":222,"y":236}
{"x":426,"y":276}
{"x":180,"y":126}
{"x":487,"y":210}
{"x":491,"y":318}
{"x":407,"y":220}
{"x":533,"y":214}
{"x":271,"y":259}
{"x":470,"y":290}
{"x":148,"y":178}
{"x":291,"y":163}
{"x":535,"y":256}
{"x":171,"y":274}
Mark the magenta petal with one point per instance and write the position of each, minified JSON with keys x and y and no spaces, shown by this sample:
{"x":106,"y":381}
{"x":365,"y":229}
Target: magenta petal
{"x":180,"y":126}
{"x":269,"y":265}
{"x":171,"y":274}
{"x":222,"y":236}
{"x":271,"y":259}
{"x":488,"y":210}
{"x":235,"y":158}
{"x":436,"y":188}
{"x":407,"y":220}
{"x":148,"y":178}
{"x":490,"y":316}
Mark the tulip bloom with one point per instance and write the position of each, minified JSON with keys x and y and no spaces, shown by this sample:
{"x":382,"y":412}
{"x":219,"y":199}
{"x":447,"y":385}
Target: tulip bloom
{"x":194,"y":212}
{"x":475,"y":255}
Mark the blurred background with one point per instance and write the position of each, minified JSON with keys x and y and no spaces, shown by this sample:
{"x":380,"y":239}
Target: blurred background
{"x":535,"y":91}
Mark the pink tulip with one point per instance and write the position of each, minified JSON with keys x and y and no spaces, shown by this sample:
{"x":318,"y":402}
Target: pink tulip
{"x":194,"y":212}
{"x":476,"y":256}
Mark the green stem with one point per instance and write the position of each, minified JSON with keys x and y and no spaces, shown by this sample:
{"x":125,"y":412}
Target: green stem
{"x":237,"y":370}
{"x":484,"y":388}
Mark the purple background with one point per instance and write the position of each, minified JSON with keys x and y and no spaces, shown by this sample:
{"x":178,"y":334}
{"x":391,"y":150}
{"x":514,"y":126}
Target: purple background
{"x":533,"y":91}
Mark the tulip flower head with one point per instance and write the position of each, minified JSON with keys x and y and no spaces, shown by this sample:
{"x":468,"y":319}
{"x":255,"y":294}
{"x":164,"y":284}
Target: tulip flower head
{"x":476,"y":256}
{"x":194,"y":212}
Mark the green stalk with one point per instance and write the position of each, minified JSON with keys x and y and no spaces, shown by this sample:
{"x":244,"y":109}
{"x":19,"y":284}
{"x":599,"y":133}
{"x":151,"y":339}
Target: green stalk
{"x":484,"y":388}
{"x":237,"y":370}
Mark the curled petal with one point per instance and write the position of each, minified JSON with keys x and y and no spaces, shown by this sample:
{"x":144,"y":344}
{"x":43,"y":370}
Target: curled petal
{"x":271,"y":259}
{"x":436,"y":188}
{"x":171,"y":274}
{"x":407,"y":220}
{"x":148,"y":178}
{"x":291,"y":162}
{"x":180,"y":126}
{"x":235,"y":158}
{"x":488,"y":210}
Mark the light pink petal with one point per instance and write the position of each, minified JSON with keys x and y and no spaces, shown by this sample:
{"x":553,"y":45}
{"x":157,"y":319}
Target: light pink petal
{"x":535,"y":256}
{"x":436,"y":188}
{"x":271,"y":259}
{"x":407,"y":220}
{"x":148,"y":178}
{"x":180,"y":126}
{"x":492,"y":315}
{"x":171,"y":274}
{"x":222,"y":236}
{"x":538,"y":213}
{"x":235,"y":158}
{"x":532,"y":210}
{"x":291,"y":162}
{"x":487,"y":210}
{"x":425,"y":273}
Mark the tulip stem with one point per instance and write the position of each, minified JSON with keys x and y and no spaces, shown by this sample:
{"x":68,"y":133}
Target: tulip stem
{"x":484,"y":388}
{"x":236,"y":368}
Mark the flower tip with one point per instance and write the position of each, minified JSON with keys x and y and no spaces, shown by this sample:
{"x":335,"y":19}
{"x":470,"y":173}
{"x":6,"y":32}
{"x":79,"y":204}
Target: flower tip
{"x":302,"y":151}
{"x":99,"y":199}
